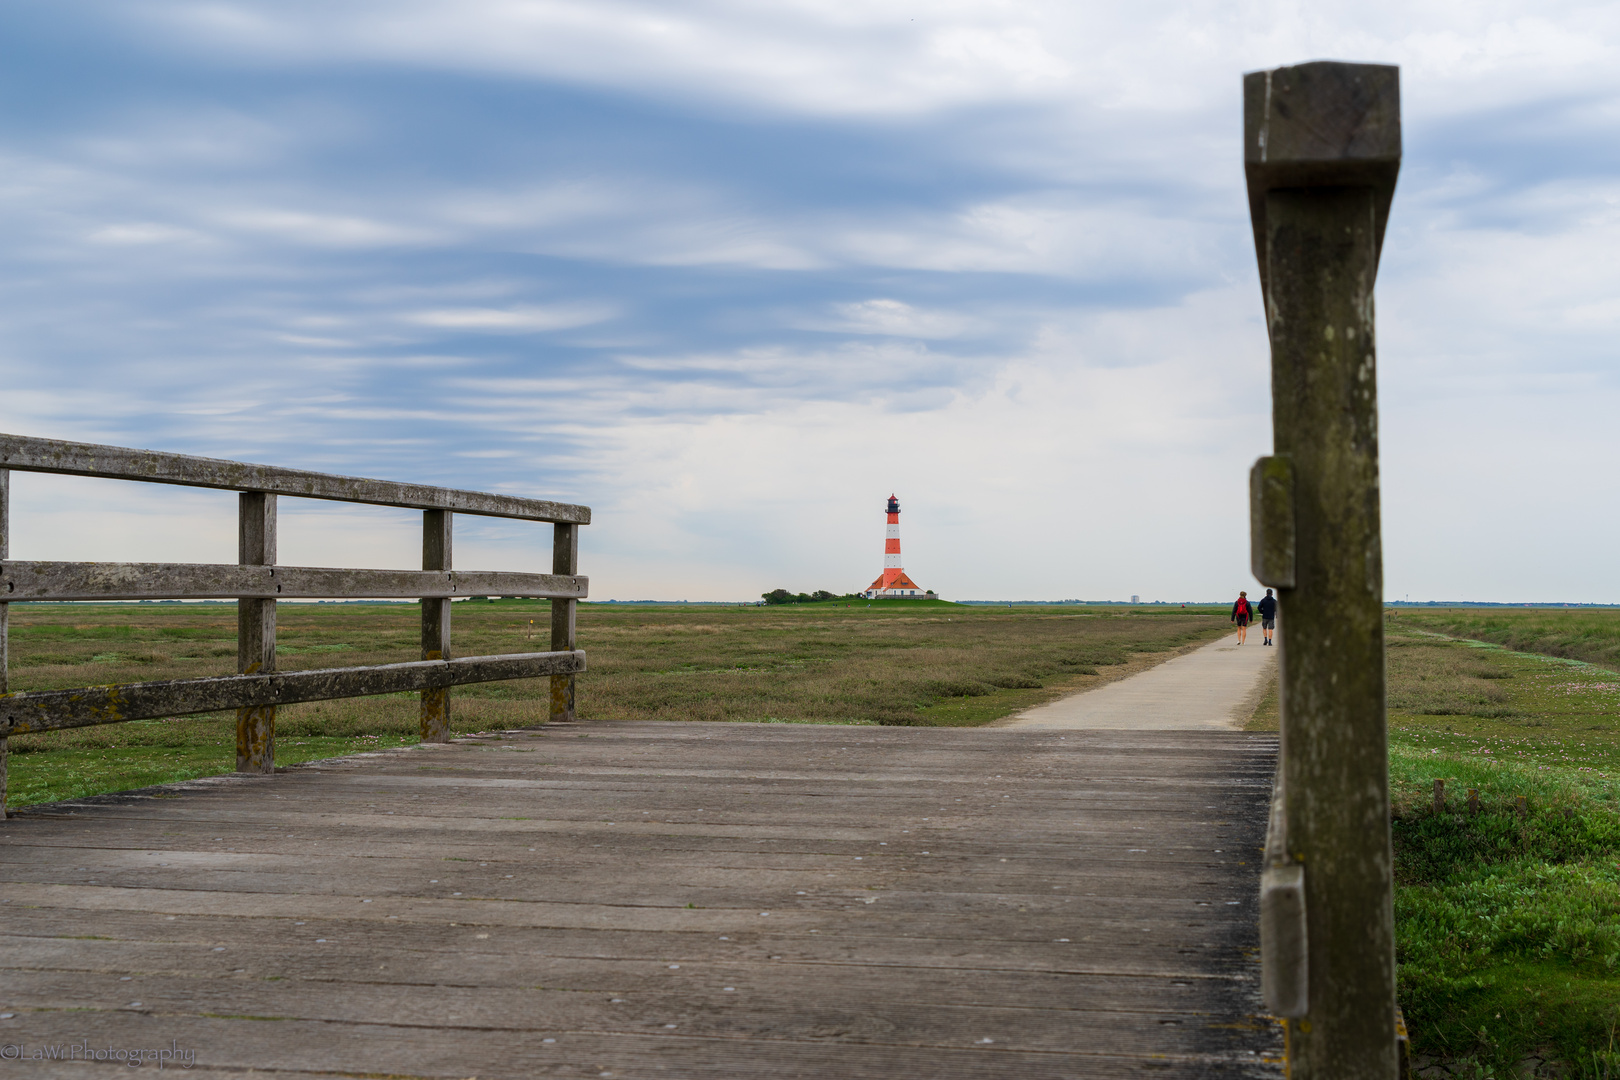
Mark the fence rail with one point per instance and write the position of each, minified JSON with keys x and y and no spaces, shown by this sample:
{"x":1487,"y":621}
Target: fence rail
{"x":25,"y":453}
{"x":256,"y":582}
{"x":212,"y":581}
{"x":52,"y":710}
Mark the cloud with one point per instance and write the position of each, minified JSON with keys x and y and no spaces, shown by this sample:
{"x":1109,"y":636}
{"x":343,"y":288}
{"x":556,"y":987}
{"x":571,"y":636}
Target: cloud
{"x":323,"y":229}
{"x":521,"y":320}
{"x":1076,"y":447}
{"x":842,"y":58}
{"x":895,"y":318}
{"x":143,"y":232}
{"x":832,"y":57}
{"x":723,"y":270}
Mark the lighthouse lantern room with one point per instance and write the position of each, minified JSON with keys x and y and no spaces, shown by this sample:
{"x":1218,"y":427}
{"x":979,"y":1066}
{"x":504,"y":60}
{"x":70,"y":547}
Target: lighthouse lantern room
{"x":893,"y":584}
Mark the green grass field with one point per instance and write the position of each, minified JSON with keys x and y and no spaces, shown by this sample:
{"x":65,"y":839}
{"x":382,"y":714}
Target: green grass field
{"x":1508,"y":928}
{"x":881,"y":662}
{"x":1591,"y":634}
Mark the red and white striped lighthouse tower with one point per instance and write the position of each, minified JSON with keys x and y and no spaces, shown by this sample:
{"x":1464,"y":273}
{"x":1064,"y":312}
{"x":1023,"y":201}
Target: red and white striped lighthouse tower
{"x":893,"y":583}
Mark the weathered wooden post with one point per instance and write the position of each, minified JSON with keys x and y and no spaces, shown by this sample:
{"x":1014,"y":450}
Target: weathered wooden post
{"x":5,"y":623}
{"x":436,"y":524}
{"x":564,"y":560}
{"x":1322,"y":146}
{"x":256,"y":632}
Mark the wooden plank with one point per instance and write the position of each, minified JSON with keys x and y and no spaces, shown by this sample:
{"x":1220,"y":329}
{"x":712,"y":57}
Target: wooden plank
{"x":1167,"y":941}
{"x":570,"y":934}
{"x":309,"y":922}
{"x":29,"y":454}
{"x":217,"y":581}
{"x":256,"y":632}
{"x":564,"y":560}
{"x":591,"y":962}
{"x":765,"y":996}
{"x":48,"y":710}
{"x":527,"y":1045}
{"x":436,"y":551}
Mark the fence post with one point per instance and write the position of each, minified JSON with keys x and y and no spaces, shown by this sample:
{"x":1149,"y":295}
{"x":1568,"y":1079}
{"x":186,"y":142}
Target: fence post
{"x":5,"y":624}
{"x":564,"y":560}
{"x":256,"y":632}
{"x":436,"y":525}
{"x":1321,"y":152}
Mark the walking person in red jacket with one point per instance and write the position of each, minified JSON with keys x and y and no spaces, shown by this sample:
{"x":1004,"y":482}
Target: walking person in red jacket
{"x":1241,"y":613}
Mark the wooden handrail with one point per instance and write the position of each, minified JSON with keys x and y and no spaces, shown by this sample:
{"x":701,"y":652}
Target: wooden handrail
{"x":53,"y":710}
{"x":25,"y":453}
{"x":22,"y":581}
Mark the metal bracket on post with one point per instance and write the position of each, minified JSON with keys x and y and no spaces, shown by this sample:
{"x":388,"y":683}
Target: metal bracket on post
{"x":1322,"y":148}
{"x":256,"y":632}
{"x":564,"y":560}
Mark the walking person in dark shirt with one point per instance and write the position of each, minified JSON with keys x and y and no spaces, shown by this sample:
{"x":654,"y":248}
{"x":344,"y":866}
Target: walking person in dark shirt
{"x":1241,"y":613}
{"x":1267,"y":607}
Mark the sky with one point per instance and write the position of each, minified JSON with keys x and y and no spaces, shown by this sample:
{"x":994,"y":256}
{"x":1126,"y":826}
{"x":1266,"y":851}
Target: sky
{"x":733,"y":273}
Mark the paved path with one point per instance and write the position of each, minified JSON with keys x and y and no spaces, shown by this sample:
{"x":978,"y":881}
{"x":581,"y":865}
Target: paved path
{"x":1212,"y":688}
{"x":677,"y":900}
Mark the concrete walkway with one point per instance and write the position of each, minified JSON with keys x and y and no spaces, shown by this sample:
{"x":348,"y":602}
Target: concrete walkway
{"x":1213,"y":688}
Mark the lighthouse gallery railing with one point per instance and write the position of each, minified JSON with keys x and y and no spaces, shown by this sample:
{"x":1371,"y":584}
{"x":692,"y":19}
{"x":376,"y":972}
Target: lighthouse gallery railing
{"x":257,"y":582}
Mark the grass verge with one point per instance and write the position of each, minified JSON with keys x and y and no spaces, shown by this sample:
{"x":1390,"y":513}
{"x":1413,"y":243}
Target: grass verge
{"x":1507,"y":918}
{"x":156,"y":752}
{"x":1507,"y":926}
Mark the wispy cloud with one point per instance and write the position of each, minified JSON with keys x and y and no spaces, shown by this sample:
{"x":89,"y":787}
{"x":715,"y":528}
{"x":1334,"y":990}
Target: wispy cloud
{"x":516,"y":320}
{"x":896,"y":318}
{"x":323,"y":230}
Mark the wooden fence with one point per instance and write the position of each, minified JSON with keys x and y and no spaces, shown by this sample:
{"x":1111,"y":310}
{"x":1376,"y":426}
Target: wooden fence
{"x":256,"y":582}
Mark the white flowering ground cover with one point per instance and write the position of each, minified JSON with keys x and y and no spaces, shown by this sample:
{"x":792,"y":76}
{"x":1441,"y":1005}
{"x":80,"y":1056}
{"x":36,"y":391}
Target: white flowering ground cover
{"x":1508,"y":921}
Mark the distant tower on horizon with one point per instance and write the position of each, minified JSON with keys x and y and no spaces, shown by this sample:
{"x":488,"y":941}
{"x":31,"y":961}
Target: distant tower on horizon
{"x":893,"y":583}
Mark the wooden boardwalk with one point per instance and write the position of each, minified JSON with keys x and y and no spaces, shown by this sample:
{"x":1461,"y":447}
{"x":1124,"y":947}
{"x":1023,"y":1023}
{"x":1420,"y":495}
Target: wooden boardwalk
{"x":663,"y":900}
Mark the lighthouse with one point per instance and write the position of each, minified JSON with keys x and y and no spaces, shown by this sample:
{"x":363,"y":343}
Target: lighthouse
{"x":893,"y":584}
